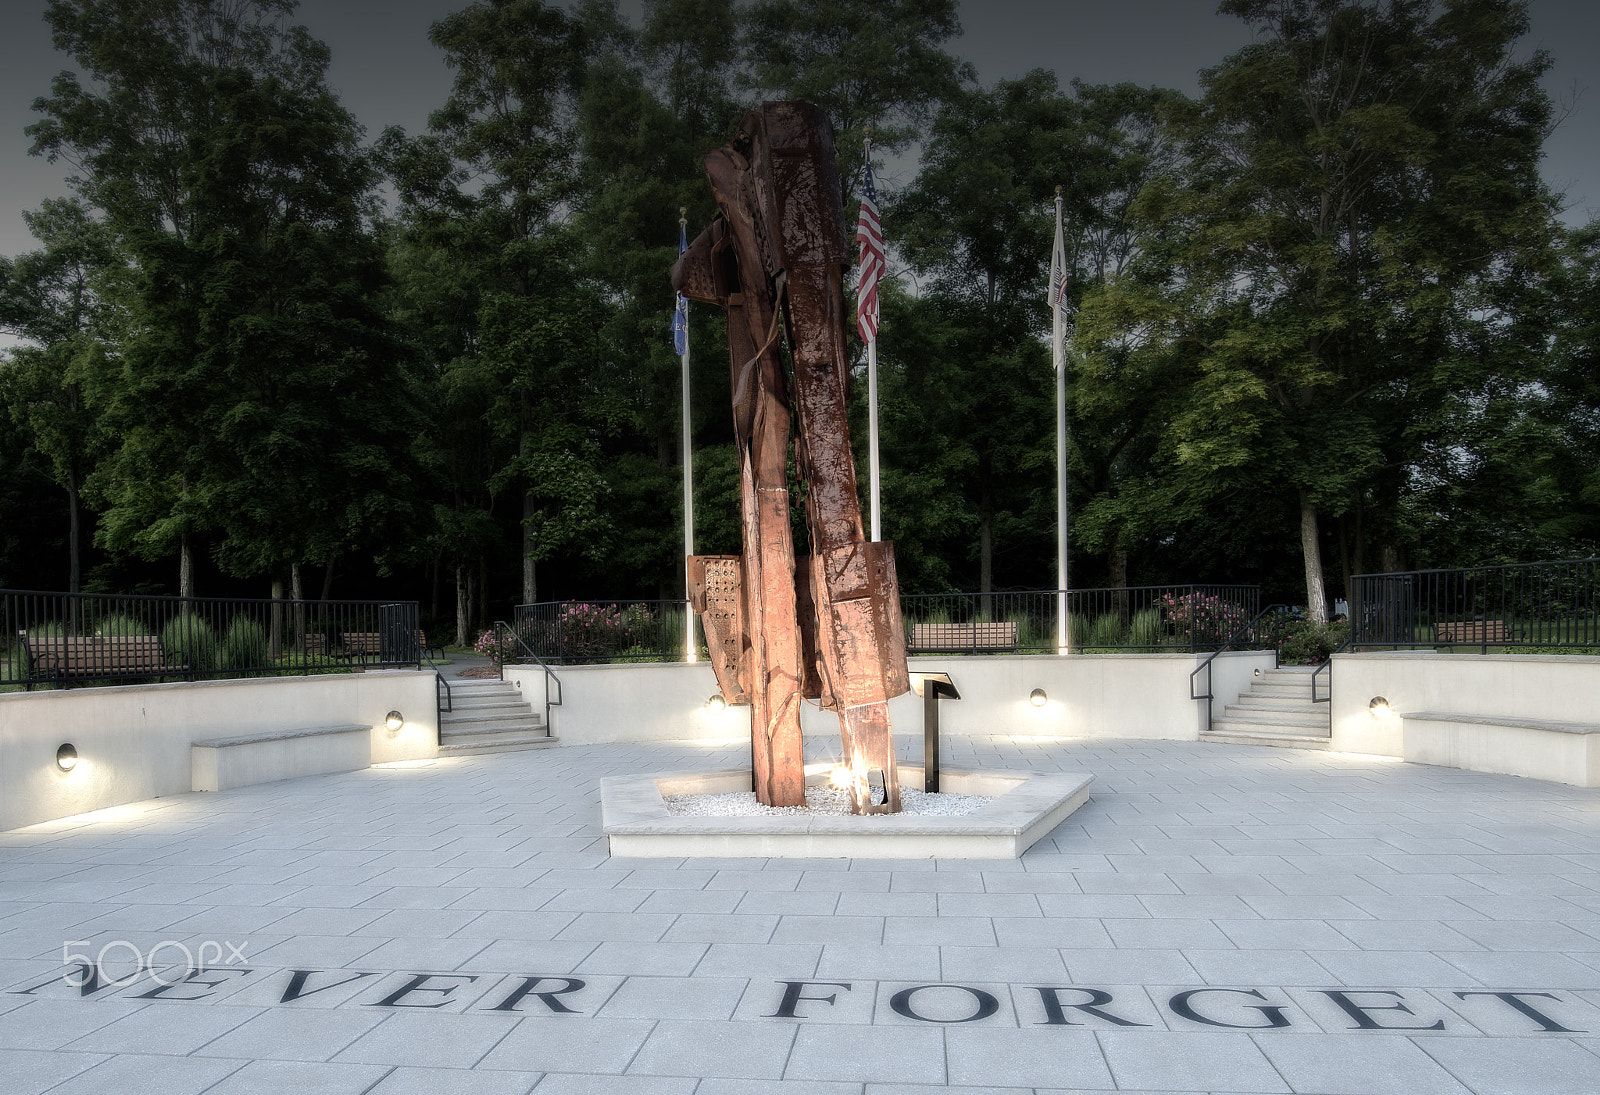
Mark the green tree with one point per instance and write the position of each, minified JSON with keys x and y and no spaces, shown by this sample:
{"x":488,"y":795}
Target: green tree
{"x":975,"y":223}
{"x":231,"y":177}
{"x":486,"y":197}
{"x":647,"y":118}
{"x":1524,"y":484}
{"x":54,"y":299}
{"x":1342,"y":255}
{"x":311,"y":457}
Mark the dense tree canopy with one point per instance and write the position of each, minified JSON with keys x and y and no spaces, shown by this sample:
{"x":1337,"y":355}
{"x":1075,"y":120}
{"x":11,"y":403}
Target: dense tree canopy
{"x":1324,"y":318}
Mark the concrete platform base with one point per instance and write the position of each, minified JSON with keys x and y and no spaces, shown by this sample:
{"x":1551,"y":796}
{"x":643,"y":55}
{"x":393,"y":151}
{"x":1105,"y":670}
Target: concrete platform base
{"x":1025,"y":807}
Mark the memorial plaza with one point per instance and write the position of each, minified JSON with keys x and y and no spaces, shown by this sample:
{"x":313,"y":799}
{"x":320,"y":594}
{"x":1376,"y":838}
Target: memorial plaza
{"x":1217,"y":918}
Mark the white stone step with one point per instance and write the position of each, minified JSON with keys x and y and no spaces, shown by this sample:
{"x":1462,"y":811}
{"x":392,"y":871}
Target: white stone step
{"x":1281,"y":688}
{"x":490,"y":717}
{"x":492,"y":724}
{"x":1276,"y":700}
{"x":494,"y":692}
{"x":496,"y":707}
{"x":1314,"y":718}
{"x":472,"y":745}
{"x":1219,"y":736}
{"x":1255,"y":722}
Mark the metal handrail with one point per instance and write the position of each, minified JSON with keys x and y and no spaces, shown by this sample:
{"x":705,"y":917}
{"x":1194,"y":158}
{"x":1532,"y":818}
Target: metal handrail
{"x":443,"y":698}
{"x":1206,"y":665}
{"x":1328,"y":665}
{"x":448,"y":704}
{"x":549,"y":675}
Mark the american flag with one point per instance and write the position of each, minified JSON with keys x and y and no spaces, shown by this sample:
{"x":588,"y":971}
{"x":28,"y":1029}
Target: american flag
{"x":869,"y":234}
{"x":680,"y":313}
{"x":1058,"y":269}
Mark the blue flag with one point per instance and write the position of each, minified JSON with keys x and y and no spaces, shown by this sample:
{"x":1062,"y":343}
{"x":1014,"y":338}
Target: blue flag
{"x":680,"y":314}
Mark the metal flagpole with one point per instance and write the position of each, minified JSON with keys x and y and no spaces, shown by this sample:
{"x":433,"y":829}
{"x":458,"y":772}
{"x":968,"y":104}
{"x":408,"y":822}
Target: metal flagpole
{"x":680,"y":337}
{"x":1058,"y":280}
{"x":872,"y":434}
{"x":872,"y":403}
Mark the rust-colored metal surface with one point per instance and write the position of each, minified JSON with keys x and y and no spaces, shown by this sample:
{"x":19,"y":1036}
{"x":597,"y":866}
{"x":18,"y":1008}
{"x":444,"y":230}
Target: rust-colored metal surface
{"x":826,"y":627}
{"x":716,"y":594}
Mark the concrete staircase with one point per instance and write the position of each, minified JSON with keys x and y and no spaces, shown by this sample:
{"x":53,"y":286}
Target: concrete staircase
{"x":1277,"y":710}
{"x":490,"y":717}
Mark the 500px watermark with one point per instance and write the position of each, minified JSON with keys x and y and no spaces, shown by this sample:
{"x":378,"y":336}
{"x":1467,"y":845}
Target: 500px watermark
{"x":168,"y":957}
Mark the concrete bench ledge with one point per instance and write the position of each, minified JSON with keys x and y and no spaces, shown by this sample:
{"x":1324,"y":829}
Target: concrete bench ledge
{"x":1563,"y":752}
{"x":279,"y":735}
{"x":1507,"y":720}
{"x":265,"y":756}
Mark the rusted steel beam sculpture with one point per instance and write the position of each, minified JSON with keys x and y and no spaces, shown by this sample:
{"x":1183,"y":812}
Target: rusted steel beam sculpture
{"x":826,"y":627}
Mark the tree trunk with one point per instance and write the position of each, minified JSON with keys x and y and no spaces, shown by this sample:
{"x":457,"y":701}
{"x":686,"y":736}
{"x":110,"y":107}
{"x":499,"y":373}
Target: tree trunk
{"x":1311,"y":548}
{"x":74,"y":561}
{"x":1358,"y":561}
{"x":1391,"y":559}
{"x":530,"y":587}
{"x":1344,"y":563}
{"x":297,"y":593}
{"x":480,"y":590}
{"x":275,"y":640}
{"x":185,"y":568}
{"x":986,"y":564}
{"x":1117,"y":566}
{"x":985,"y":553}
{"x":433,"y":589}
{"x":327,"y":579}
{"x":463,"y":604}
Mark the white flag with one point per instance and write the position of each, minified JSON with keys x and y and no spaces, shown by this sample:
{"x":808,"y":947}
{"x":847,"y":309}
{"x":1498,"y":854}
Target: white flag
{"x":1058,"y":291}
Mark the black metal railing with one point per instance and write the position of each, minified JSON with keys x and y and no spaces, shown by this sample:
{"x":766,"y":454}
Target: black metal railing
{"x":64,"y":639}
{"x":579,"y":632}
{"x":1537,"y":606}
{"x":1173,"y":617}
{"x":1265,"y":631}
{"x":511,"y":647}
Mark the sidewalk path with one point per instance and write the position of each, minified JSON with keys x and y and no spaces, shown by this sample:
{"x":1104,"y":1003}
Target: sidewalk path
{"x":1215,"y":920}
{"x":460,"y":663}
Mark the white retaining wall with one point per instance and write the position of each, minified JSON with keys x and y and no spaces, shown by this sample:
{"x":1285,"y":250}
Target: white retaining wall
{"x":133,"y":740}
{"x":1555,"y":688}
{"x":1090,"y":695}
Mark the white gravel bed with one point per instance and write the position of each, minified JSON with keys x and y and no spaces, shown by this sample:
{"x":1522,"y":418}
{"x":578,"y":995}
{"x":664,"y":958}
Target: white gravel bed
{"x":819,"y":800}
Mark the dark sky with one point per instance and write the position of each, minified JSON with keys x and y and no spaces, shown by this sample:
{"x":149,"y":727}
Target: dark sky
{"x":387,"y":73}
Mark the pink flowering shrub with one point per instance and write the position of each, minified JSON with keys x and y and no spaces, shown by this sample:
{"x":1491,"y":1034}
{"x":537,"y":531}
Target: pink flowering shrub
{"x":1201,"y":617}
{"x":495,"y":645}
{"x":589,"y":631}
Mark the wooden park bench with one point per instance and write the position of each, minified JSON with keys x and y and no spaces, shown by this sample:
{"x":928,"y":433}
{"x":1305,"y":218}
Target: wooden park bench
{"x":316,"y":644}
{"x":426,"y":647}
{"x":69,"y":659}
{"x":1473,"y":632}
{"x":359,"y":645}
{"x":968,"y":637}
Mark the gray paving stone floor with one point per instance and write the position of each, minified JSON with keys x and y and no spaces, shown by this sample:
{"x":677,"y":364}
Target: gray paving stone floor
{"x":1217,"y":919}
